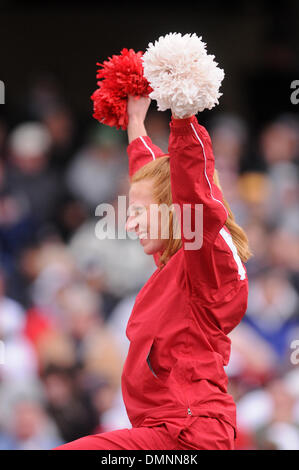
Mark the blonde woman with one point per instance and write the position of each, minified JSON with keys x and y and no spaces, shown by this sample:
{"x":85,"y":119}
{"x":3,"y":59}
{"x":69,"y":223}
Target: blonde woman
{"x":173,"y":383}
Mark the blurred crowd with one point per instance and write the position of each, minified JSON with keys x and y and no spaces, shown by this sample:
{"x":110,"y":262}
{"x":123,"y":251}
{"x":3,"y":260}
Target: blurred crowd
{"x":66,"y":296}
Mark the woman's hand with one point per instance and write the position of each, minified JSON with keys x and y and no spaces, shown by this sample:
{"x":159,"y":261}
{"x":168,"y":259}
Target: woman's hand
{"x":137,"y":109}
{"x":187,"y":116}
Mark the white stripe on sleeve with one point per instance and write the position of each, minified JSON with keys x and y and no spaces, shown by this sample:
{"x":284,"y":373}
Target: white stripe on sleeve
{"x":204,"y":154}
{"x":145,"y":144}
{"x":228,"y":238}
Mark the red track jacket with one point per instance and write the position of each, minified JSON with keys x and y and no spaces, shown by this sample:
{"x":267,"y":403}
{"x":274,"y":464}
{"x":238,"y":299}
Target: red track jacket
{"x":179,"y":324}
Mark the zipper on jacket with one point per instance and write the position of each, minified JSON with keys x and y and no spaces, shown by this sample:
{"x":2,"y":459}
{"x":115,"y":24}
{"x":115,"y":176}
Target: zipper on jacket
{"x":189,"y":411}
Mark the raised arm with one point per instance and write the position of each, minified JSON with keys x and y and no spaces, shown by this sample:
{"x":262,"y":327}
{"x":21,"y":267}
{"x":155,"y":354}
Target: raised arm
{"x":191,"y":170}
{"x":141,"y":149}
{"x":137,"y":110}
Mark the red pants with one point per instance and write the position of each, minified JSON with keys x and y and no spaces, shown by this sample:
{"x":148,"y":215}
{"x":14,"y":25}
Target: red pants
{"x":200,"y":433}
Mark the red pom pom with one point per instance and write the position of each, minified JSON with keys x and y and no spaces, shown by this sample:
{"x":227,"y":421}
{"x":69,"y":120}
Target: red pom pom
{"x":121,"y":75}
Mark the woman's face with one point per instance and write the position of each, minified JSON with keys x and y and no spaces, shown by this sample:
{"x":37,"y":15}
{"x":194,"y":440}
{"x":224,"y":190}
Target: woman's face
{"x":146,"y":225}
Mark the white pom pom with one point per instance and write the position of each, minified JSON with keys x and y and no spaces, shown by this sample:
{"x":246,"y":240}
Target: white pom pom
{"x":184,"y":77}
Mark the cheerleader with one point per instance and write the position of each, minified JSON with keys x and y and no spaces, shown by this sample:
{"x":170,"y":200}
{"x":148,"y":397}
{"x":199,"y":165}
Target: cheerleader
{"x":174,"y":384}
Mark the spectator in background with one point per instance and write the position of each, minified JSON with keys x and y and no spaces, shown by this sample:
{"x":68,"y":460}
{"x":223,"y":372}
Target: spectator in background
{"x":253,"y":188}
{"x":229,"y":135}
{"x":18,"y":223}
{"x":253,"y":360}
{"x":279,"y":145}
{"x":270,"y":414}
{"x":67,"y":404}
{"x":97,"y":167}
{"x":281,"y":432}
{"x":20,"y":360}
{"x":116,"y":415}
{"x":29,"y":174}
{"x":81,"y":319}
{"x":103,"y":398}
{"x":49,"y":267}
{"x":258,"y":234}
{"x":273,"y":311}
{"x":121,"y":260}
{"x":43,"y":93}
{"x":118,"y":321}
{"x":30,"y":428}
{"x":283,"y":251}
{"x":65,"y":140}
{"x":81,"y":341}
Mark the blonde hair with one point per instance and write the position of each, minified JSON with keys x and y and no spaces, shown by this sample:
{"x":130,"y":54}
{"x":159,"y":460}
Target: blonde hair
{"x":159,"y":171}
